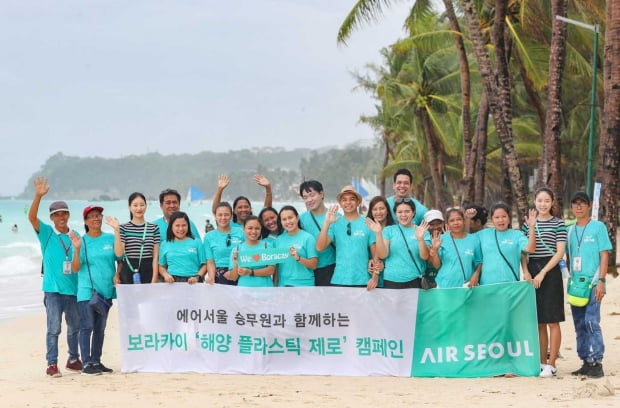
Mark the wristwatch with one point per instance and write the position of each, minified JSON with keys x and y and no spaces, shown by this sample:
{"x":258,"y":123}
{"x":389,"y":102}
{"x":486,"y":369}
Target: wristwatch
{"x":602,"y":280}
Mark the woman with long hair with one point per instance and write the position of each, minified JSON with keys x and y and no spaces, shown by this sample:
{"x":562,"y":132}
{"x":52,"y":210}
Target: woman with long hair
{"x":298,"y":270}
{"x":182,"y":256}
{"x":137,"y":241}
{"x":219,"y":243}
{"x":541,"y":268}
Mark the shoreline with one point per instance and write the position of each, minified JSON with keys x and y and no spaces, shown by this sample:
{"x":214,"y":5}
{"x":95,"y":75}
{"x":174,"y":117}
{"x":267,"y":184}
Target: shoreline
{"x":23,"y":381}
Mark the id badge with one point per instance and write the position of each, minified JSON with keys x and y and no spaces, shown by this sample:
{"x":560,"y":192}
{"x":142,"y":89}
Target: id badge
{"x":577,"y":264}
{"x":66,"y":267}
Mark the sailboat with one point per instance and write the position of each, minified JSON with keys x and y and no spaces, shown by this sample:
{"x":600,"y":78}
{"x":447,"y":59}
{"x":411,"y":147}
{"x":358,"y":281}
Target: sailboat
{"x":194,"y":195}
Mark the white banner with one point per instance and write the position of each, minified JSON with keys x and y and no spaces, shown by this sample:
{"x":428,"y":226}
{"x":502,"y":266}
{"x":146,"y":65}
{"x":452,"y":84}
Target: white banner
{"x":226,"y":329}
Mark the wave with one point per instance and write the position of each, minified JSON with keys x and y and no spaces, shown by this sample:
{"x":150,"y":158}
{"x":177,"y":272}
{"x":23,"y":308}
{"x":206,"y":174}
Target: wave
{"x":19,"y":265}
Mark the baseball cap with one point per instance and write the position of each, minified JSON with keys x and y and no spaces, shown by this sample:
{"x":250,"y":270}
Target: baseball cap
{"x":580,"y":195}
{"x":91,"y":208}
{"x":432,"y":215}
{"x":58,"y":206}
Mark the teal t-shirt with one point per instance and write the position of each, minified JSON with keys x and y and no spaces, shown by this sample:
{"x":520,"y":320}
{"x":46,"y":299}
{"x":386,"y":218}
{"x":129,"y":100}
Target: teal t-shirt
{"x":328,"y":255}
{"x":218,"y":245}
{"x":291,"y":272}
{"x":182,"y":258}
{"x":352,"y":240}
{"x":163,"y":229}
{"x":420,"y":210}
{"x":55,"y":249}
{"x":249,"y":280}
{"x":451,"y":274}
{"x":399,"y":266}
{"x":587,"y":242}
{"x":494,"y":268}
{"x":98,"y":254}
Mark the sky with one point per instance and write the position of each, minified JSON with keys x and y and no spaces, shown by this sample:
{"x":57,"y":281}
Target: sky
{"x":113,"y":78}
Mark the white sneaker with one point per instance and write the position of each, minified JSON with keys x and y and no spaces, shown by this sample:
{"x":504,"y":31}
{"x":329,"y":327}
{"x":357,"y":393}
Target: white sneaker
{"x":547,"y":371}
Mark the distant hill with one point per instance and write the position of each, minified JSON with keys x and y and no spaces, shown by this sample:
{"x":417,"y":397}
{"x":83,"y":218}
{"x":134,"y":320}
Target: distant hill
{"x":96,"y":178}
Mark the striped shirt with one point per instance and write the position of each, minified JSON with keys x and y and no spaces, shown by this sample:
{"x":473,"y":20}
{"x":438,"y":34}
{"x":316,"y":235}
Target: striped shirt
{"x":131,"y":236}
{"x":548,"y":234}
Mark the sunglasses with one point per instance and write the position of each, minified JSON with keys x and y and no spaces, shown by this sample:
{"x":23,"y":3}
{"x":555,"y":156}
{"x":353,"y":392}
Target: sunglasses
{"x":402,"y":200}
{"x":228,"y":240}
{"x":349,"y":229}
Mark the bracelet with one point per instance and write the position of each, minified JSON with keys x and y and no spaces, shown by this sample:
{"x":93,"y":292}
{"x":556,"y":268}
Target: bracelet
{"x":198,"y":277}
{"x":298,"y":258}
{"x":251,"y":272}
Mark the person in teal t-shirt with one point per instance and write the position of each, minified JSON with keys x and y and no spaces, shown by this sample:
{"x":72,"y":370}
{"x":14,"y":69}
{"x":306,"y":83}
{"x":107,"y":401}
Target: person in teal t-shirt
{"x":181,"y":257}
{"x":459,"y":257}
{"x":588,"y":253}
{"x":311,"y":191}
{"x":59,"y":283}
{"x":402,"y":189}
{"x":298,"y":270}
{"x":95,"y":263}
{"x":257,"y":276}
{"x":354,"y":241}
{"x":502,"y":246}
{"x":170,"y":202}
{"x":402,"y":248}
{"x":271,"y":227}
{"x":219,"y":243}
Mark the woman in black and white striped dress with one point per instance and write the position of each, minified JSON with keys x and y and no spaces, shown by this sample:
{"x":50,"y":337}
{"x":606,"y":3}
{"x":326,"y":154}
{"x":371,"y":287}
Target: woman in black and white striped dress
{"x":541,"y":268}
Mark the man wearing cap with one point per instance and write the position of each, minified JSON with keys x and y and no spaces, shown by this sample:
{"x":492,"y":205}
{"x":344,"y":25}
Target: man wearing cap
{"x":402,"y":189}
{"x":311,"y":191}
{"x":59,"y":283}
{"x":354,"y":242}
{"x":587,"y":253}
{"x":170,"y":202}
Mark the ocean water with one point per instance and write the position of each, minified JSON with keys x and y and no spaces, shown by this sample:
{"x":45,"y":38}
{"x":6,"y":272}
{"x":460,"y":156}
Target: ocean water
{"x":20,"y":253}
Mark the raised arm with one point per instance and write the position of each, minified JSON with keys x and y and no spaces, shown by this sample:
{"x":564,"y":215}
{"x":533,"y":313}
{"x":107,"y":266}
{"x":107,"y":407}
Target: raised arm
{"x":530,"y":219}
{"x":77,"y":244}
{"x":262,"y":181}
{"x":40,"y":189}
{"x":119,"y":246}
{"x":222,"y":182}
{"x":323,"y":240}
{"x":420,"y":231}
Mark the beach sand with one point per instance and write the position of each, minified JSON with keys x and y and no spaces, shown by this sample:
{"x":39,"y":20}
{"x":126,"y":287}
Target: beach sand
{"x":23,"y":382}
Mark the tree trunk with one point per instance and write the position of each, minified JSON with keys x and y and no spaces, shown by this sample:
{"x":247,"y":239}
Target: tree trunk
{"x":499,"y":99}
{"x":482,"y":127}
{"x":467,"y":183}
{"x":607,"y":169}
{"x":551,"y":159}
{"x":434,"y":154}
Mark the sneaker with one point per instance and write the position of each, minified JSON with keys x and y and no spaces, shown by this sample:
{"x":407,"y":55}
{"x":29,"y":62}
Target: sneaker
{"x":582,"y":370}
{"x":74,"y":365}
{"x":91,"y":369}
{"x":103,"y":368}
{"x":595,"y":370}
{"x":52,"y":371}
{"x":547,"y":371}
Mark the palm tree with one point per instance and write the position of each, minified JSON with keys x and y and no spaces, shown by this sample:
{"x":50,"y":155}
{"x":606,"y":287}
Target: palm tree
{"x":607,"y":171}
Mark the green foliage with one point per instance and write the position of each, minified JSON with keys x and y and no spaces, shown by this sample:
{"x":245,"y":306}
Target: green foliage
{"x":112,"y":179}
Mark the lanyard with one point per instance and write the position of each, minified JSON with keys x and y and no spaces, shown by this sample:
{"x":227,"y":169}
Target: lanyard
{"x":64,"y":247}
{"x":577,"y":236}
{"x":141,"y":249}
